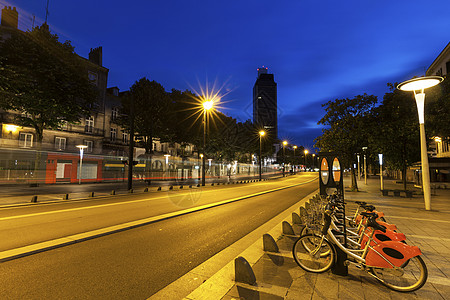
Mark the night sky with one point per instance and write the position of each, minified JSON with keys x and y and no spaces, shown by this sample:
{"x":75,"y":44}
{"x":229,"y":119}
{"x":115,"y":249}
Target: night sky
{"x":317,"y":50}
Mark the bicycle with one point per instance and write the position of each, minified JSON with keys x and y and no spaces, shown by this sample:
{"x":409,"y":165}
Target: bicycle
{"x":395,"y":264}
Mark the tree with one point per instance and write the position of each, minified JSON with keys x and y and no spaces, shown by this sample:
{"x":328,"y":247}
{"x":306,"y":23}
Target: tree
{"x":395,"y":131}
{"x":437,"y":110}
{"x":44,"y":81}
{"x":151,"y":103}
{"x":349,"y":123}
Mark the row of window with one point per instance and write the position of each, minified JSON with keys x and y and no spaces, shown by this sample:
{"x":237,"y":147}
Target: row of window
{"x":113,"y":136}
{"x":26,"y":141}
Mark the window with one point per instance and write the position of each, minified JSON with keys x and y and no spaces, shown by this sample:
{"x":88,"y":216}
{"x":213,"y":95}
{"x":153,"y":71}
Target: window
{"x":93,"y":77}
{"x":114,"y":113}
{"x":60,"y":143}
{"x":89,"y":125}
{"x":90,"y":146}
{"x":125,"y":137}
{"x":113,"y":134}
{"x":25,"y":140}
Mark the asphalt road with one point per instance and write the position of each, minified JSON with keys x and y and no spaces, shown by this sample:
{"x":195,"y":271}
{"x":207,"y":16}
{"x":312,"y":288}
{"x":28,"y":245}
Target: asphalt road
{"x":136,"y":263}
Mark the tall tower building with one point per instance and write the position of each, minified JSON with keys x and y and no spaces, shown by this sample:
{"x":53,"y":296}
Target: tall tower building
{"x":265,"y":103}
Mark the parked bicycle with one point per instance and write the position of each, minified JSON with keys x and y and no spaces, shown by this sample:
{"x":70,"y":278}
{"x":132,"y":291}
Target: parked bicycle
{"x":395,"y":264}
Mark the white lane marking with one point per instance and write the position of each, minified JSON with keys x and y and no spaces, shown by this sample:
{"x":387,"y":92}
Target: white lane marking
{"x":136,"y":201}
{"x":47,"y":245}
{"x":418,"y":219}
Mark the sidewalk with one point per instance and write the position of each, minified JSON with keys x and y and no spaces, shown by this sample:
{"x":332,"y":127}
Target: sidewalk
{"x":278,"y":276}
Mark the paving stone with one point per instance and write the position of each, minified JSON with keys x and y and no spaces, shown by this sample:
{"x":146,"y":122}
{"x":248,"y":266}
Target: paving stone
{"x":273,"y":269}
{"x":302,"y":287}
{"x":239,"y":292}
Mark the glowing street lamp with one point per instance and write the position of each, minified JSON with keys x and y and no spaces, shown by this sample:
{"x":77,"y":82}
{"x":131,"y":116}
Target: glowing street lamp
{"x":306,"y":152}
{"x":418,"y":85}
{"x":261,"y":134}
{"x":167,"y":163}
{"x":207,"y":106}
{"x":295,"y":147}
{"x":81,"y":147}
{"x":284,"y":156}
{"x":380,"y":158}
{"x":365,"y":165}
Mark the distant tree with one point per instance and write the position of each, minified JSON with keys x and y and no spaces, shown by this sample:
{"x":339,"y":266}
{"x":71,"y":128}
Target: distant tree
{"x":151,"y":103}
{"x":348,"y":122}
{"x":437,"y":110}
{"x":395,"y":130}
{"x":44,"y":81}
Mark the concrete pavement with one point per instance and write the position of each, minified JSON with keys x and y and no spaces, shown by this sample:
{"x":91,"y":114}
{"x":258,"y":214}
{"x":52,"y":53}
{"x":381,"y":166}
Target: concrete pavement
{"x":278,"y":276}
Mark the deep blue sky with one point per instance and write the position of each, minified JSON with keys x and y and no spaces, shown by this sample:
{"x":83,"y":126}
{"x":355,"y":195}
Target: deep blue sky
{"x":318,"y":50}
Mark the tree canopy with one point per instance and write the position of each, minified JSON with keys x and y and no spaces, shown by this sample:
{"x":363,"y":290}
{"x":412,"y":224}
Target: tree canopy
{"x":44,"y":80}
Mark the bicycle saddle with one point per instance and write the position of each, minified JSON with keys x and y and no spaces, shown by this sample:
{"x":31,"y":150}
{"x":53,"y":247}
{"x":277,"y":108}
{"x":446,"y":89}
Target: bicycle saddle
{"x":368,"y":214}
{"x":371,"y":222}
{"x":369,"y":207}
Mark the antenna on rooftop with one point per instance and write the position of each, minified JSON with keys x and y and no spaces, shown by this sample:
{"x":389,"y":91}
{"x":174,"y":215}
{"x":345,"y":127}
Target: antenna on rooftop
{"x":46,"y":12}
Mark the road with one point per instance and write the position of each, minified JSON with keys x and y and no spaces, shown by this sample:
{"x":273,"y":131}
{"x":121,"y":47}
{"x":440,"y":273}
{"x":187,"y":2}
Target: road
{"x":136,"y":263}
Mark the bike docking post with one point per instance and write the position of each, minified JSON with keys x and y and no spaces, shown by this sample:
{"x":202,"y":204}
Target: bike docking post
{"x":331,"y":180}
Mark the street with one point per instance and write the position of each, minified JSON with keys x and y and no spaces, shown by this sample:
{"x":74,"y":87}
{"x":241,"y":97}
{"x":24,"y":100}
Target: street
{"x":135,"y":263}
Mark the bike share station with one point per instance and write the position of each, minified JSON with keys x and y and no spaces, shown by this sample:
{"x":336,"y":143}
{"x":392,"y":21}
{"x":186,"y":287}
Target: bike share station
{"x":331,"y":180}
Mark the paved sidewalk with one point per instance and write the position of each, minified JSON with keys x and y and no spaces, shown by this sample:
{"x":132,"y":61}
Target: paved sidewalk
{"x":278,"y":276}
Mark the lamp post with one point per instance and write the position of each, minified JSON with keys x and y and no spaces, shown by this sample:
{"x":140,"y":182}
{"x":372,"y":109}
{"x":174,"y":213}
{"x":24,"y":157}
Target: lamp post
{"x":207,"y":105}
{"x":261,"y":134}
{"x":359,"y":169}
{"x":81,"y":147}
{"x":284,"y":156}
{"x":306,"y":152}
{"x":295,"y":147}
{"x":167,"y":163}
{"x":314,"y":161}
{"x":365,"y":165}
{"x":418,"y":85}
{"x":380,"y":158}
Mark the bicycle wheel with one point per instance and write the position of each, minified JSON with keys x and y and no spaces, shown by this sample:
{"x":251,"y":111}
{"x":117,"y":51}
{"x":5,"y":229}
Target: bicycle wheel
{"x":312,"y":254}
{"x":410,"y":277}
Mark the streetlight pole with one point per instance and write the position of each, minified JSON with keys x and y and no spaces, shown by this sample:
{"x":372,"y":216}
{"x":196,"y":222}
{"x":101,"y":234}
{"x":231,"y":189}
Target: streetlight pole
{"x":295,"y":147}
{"x":306,"y":152}
{"x":81,"y":147}
{"x":207,"y":105}
{"x":380,"y":158}
{"x":359,"y":169}
{"x":261,"y":134}
{"x":365,"y":166}
{"x":418,"y":85}
{"x":284,"y":157}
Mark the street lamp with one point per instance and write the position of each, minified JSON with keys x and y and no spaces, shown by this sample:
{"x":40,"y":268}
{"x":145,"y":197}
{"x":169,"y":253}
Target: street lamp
{"x":81,"y":147}
{"x":380,"y":158}
{"x":261,"y":134}
{"x":284,"y":156}
{"x":295,"y":147}
{"x":365,"y":166}
{"x":207,"y":106}
{"x":359,"y":169}
{"x":306,"y":152}
{"x":167,"y":162}
{"x":314,"y":160}
{"x":418,"y":85}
